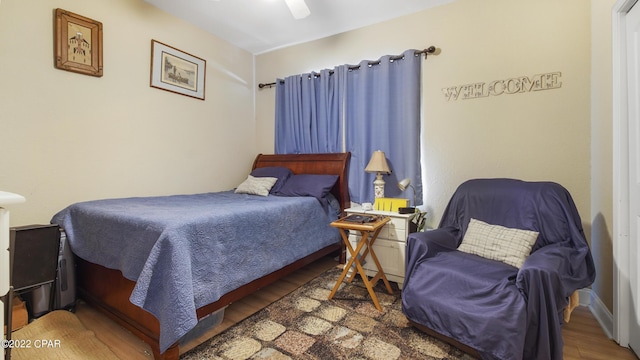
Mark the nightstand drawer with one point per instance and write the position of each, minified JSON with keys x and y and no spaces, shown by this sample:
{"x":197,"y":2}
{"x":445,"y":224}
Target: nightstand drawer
{"x":396,"y":234}
{"x":397,"y":223}
{"x":390,"y":244}
{"x":396,"y":229}
{"x":391,"y":255}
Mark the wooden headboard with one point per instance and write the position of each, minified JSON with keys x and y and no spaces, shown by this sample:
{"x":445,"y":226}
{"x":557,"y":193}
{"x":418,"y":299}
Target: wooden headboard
{"x":330,"y":164}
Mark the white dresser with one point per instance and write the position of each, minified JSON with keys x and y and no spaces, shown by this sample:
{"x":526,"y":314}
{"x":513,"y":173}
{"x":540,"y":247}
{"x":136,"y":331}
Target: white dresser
{"x":389,"y":246}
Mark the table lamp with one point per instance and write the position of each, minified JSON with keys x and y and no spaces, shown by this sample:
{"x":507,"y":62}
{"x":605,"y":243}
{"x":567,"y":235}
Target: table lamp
{"x":404,"y":184}
{"x":378,"y":164}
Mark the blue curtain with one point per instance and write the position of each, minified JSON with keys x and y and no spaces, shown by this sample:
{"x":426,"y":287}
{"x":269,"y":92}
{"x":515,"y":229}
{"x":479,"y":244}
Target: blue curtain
{"x":308,"y":114}
{"x":383,"y":113}
{"x":374,"y":107}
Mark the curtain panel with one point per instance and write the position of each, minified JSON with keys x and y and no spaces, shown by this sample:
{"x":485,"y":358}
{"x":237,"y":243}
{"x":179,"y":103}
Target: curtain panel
{"x":309,"y":114}
{"x":371,"y":107}
{"x":383,"y":113}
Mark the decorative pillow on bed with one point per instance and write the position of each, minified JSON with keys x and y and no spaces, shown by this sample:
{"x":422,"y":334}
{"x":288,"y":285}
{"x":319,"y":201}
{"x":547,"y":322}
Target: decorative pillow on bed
{"x":256,"y":185}
{"x":334,"y":204}
{"x":308,"y":185}
{"x":279,"y":172}
{"x":495,"y":242}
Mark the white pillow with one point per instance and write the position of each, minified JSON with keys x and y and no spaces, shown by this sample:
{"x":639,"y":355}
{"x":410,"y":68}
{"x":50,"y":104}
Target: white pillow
{"x":256,"y":185}
{"x":495,"y":242}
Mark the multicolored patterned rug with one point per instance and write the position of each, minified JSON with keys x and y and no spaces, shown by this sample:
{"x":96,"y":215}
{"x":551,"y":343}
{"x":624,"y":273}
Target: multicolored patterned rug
{"x":305,"y":325}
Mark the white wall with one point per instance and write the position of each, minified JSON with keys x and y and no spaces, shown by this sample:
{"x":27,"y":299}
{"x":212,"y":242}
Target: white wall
{"x":67,"y":137}
{"x":602,"y":149}
{"x":542,"y":135}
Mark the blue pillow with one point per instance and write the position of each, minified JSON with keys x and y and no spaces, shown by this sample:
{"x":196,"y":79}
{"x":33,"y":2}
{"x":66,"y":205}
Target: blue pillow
{"x":279,"y":172}
{"x":308,"y":185}
{"x":334,"y":205}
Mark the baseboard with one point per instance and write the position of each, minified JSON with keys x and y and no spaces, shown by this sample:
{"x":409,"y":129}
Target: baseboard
{"x":598,"y":309}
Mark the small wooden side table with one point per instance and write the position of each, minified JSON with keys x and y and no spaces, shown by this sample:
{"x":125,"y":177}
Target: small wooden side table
{"x":369,"y":233}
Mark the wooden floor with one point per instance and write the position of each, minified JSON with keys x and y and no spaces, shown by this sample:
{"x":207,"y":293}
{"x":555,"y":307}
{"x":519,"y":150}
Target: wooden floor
{"x":583,"y":336}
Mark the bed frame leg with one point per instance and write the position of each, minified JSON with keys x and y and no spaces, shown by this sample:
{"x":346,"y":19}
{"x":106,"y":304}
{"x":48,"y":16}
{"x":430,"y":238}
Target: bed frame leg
{"x":172,"y":353}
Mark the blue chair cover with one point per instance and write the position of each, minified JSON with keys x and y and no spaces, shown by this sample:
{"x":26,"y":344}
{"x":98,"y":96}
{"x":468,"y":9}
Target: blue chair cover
{"x":500,"y":311}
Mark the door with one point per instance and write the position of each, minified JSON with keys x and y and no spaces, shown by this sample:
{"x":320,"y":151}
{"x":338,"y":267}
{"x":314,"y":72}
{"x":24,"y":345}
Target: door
{"x":633,"y":104}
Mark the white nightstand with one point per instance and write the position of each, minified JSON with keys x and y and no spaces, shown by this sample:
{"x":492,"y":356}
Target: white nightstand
{"x":390,"y":245}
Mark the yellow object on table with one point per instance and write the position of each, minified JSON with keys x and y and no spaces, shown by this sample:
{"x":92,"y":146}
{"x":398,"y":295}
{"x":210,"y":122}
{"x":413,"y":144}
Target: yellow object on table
{"x":390,"y":204}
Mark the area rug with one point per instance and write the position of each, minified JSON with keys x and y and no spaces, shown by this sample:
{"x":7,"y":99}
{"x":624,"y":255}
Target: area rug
{"x":305,"y":325}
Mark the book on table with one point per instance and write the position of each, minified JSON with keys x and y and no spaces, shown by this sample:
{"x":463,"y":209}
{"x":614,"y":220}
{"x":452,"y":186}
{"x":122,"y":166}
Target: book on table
{"x":360,"y":219}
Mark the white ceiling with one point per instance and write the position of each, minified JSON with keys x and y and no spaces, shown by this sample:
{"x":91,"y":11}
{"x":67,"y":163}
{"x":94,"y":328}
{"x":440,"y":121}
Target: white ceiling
{"x":260,"y":26}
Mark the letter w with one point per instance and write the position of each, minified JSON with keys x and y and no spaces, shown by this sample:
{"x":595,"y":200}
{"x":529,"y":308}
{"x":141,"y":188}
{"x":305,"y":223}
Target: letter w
{"x":451,"y":92}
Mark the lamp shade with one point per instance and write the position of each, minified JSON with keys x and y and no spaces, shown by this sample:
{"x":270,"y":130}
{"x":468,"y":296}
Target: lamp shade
{"x":404,"y":184}
{"x":378,"y":163}
{"x":7,"y":198}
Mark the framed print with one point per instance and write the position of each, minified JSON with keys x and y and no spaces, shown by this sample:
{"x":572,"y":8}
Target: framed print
{"x":176,"y":71}
{"x":78,"y":43}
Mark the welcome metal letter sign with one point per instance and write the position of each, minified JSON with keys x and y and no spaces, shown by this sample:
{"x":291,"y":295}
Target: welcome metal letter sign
{"x":515,"y":85}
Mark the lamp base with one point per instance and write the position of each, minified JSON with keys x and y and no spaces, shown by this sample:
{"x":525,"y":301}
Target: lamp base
{"x":378,"y":186}
{"x":406,"y":210}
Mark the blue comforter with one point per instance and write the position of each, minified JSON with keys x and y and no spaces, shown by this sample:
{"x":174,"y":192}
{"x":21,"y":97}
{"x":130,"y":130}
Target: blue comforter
{"x":186,"y":251}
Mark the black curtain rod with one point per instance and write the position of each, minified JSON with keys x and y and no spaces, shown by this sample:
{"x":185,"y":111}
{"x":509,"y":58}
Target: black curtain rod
{"x":429,"y":50}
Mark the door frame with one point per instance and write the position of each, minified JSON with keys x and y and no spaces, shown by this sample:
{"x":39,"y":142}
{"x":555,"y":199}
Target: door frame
{"x":621,"y":230}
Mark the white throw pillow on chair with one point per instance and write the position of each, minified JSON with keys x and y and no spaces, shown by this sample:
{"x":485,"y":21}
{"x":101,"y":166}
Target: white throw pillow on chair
{"x":495,"y":242}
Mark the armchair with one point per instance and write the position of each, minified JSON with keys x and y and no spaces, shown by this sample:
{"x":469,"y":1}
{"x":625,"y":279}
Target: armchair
{"x":488,"y":307}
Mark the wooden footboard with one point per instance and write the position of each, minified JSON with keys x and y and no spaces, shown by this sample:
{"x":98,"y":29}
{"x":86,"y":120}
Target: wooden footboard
{"x":108,"y":291}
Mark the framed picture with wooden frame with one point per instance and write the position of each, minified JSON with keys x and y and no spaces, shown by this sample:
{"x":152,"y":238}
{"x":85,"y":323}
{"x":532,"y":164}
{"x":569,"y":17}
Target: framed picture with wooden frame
{"x":78,"y":43}
{"x":177,"y":71}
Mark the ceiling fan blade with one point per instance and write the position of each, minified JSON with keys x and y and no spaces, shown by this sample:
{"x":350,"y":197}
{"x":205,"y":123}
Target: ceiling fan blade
{"x":298,"y":8}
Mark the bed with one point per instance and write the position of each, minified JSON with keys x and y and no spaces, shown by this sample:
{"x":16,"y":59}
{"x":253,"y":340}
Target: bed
{"x":228,"y":255}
